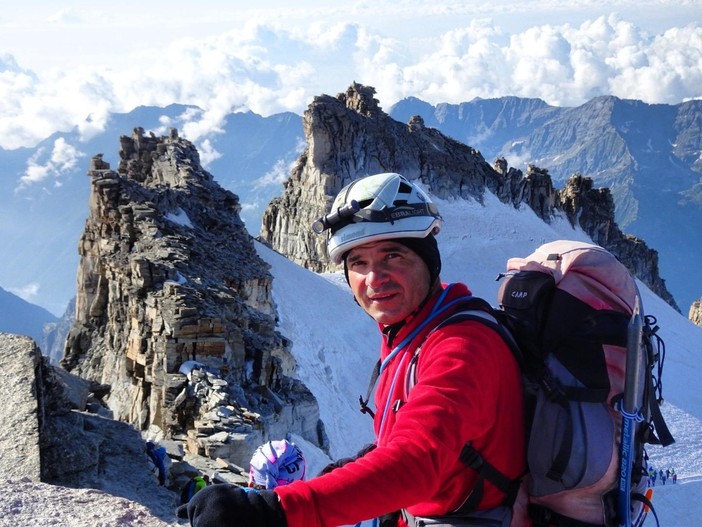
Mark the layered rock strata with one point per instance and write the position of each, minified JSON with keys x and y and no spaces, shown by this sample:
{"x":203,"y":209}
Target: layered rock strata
{"x":168,"y":275}
{"x":695,"y":314}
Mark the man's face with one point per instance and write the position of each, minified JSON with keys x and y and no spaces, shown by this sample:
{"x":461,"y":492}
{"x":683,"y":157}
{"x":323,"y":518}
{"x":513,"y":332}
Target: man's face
{"x":388,"y":280}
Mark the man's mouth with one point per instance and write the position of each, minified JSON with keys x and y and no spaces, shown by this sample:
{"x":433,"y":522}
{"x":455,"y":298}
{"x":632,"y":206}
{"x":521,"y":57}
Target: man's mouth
{"x":380,"y":297}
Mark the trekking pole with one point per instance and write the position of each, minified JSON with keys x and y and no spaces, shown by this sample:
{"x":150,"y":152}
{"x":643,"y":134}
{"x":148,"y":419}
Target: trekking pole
{"x":630,"y":412}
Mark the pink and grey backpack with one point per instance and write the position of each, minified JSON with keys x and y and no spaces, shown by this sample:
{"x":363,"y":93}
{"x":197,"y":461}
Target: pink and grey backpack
{"x":592,"y":365}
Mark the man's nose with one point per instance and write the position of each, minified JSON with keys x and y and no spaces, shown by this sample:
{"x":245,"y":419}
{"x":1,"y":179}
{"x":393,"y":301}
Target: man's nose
{"x":378,"y":274}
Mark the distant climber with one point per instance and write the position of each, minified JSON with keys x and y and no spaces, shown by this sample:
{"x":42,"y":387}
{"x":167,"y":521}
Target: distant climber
{"x":192,"y":487}
{"x":157,"y":455}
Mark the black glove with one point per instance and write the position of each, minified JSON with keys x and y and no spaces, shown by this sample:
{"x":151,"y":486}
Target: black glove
{"x":225,"y":505}
{"x":341,"y":462}
{"x":389,"y":520}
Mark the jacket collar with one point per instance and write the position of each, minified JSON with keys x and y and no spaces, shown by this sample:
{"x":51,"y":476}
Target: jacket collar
{"x":397,"y":332}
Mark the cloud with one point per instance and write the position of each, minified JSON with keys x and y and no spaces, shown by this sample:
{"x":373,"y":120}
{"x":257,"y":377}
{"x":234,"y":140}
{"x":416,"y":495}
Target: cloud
{"x":669,"y":69}
{"x":28,"y":292}
{"x":276,"y":176}
{"x":66,"y":16}
{"x":208,"y":153}
{"x":563,"y":65}
{"x":62,"y":158}
{"x":33,"y":107}
{"x":268,"y":68}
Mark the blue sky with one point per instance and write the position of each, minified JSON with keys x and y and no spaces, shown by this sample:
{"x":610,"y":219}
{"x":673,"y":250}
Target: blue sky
{"x":71,"y":64}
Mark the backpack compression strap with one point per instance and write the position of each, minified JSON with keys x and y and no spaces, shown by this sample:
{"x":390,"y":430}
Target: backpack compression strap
{"x":662,"y":435}
{"x":509,"y":487}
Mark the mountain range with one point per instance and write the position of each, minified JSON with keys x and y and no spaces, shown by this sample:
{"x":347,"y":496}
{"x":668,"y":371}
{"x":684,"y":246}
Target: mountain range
{"x":649,"y":155}
{"x":23,"y":318}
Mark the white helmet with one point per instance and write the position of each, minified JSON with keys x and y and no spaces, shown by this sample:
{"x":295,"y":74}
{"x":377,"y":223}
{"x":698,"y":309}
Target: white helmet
{"x":276,"y":463}
{"x":374,"y":208}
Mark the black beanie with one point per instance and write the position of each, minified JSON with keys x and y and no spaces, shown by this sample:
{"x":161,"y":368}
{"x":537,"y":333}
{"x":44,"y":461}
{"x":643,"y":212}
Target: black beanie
{"x":426,"y":248}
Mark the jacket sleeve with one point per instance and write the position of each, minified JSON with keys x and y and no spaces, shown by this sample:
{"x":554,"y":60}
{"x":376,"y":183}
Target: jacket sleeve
{"x":344,"y":460}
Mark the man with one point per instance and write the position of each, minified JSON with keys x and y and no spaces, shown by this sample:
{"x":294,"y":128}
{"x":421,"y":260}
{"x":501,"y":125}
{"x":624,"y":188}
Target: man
{"x":461,"y":394}
{"x":192,"y":487}
{"x":157,"y":455}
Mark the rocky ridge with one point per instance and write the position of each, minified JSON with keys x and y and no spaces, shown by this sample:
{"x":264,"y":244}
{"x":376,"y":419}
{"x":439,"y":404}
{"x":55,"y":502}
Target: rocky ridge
{"x":174,"y":314}
{"x":349,"y":136}
{"x":695,"y":314}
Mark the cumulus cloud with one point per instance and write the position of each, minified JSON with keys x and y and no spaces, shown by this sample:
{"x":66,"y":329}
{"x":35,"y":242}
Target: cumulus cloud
{"x":563,"y":65}
{"x":33,"y":107}
{"x":44,"y":164}
{"x":276,"y":176}
{"x":668,"y":70}
{"x":27,"y":292}
{"x":267,"y":68}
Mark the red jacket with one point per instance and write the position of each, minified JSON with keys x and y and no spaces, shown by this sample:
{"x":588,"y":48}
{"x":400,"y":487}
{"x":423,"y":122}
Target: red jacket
{"x":468,"y":389}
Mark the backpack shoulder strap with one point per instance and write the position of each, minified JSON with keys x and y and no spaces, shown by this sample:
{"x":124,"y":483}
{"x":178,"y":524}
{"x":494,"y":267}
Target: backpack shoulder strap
{"x":479,"y":310}
{"x":363,"y":403}
{"x":469,"y":308}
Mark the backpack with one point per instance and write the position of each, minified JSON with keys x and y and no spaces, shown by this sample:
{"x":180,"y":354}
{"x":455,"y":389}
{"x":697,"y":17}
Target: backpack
{"x":592,"y":363}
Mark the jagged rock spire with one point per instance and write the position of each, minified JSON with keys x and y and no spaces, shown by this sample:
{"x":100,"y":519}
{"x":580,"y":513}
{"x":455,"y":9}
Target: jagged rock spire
{"x":168,"y":274}
{"x":349,"y":136}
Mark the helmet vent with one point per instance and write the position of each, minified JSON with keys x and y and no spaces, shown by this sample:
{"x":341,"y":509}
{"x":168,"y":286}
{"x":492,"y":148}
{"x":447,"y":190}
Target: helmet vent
{"x":404,"y":188}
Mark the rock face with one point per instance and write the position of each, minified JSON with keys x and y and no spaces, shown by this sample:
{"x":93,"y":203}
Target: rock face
{"x":20,"y":364}
{"x":349,"y":136}
{"x":593,"y":210}
{"x":48,"y":437}
{"x":174,"y":311}
{"x":695,"y":314}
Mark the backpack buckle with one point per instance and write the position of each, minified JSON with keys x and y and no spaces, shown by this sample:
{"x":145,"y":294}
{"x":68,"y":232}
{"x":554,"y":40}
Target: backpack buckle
{"x":471,"y":457}
{"x":540,"y":516}
{"x":552,"y":389}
